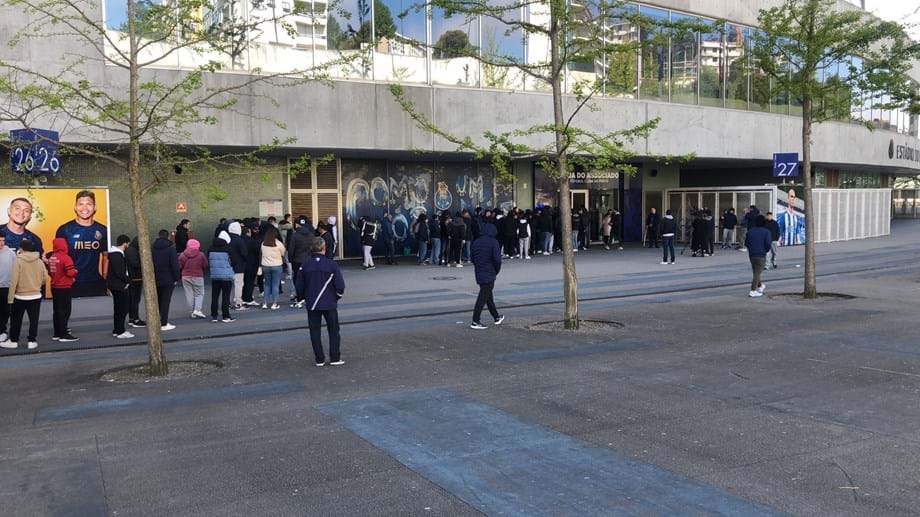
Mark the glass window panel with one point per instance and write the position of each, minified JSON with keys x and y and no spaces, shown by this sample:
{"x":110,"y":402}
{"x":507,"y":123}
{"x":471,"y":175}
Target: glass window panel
{"x":348,"y":40}
{"x":795,"y":104}
{"x":856,"y":98}
{"x":713,"y":51}
{"x":760,"y":85}
{"x":621,"y":67}
{"x":585,"y":37}
{"x":456,"y":43}
{"x":116,"y":14}
{"x":736,"y":54}
{"x":400,"y":51}
{"x":779,"y":97}
{"x":654,"y":56}
{"x":684,"y":63}
{"x":762,"y":202}
{"x":502,"y":45}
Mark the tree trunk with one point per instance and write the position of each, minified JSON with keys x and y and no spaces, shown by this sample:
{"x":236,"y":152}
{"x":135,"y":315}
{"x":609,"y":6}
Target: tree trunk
{"x":158,"y":364}
{"x":811,"y":289}
{"x":569,"y":277}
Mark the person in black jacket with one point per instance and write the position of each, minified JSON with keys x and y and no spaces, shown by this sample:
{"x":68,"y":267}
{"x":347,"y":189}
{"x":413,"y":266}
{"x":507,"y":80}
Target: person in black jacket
{"x":182,"y":235}
{"x":299,"y":248}
{"x":253,"y":259}
{"x":434,"y":235}
{"x":729,"y":221}
{"x":456,"y":230}
{"x":668,"y":228}
{"x":710,"y":241}
{"x":369,"y":232}
{"x":576,"y":226}
{"x":133,"y":257}
{"x":166,"y":270}
{"x":652,"y":221}
{"x":422,"y":236}
{"x":468,"y":237}
{"x":238,"y":252}
{"x":322,"y":283}
{"x":773,"y":227}
{"x":758,"y":243}
{"x":487,"y":259}
{"x":118,"y":281}
{"x":324,"y":231}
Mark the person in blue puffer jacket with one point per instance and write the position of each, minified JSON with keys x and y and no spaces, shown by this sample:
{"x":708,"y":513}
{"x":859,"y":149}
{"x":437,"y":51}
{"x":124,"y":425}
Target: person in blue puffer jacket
{"x":221,"y":276}
{"x":487,"y":261}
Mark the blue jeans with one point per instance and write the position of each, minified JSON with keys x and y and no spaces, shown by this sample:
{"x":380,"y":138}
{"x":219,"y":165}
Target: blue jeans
{"x":668,"y":244}
{"x":467,"y":250}
{"x":574,"y":239}
{"x":435,"y":251}
{"x":422,"y":251}
{"x":547,"y":241}
{"x":272,"y":278}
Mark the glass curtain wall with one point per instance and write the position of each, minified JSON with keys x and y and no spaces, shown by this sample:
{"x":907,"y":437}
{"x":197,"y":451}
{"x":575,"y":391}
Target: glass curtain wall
{"x":401,"y":50}
{"x":621,"y":66}
{"x":713,"y":54}
{"x":684,"y":63}
{"x":502,"y":45}
{"x":738,"y":64}
{"x":654,"y":59}
{"x":456,"y":45}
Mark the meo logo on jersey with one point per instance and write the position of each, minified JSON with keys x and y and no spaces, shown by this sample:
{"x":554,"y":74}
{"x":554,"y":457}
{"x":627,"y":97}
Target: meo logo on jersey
{"x":86,"y":245}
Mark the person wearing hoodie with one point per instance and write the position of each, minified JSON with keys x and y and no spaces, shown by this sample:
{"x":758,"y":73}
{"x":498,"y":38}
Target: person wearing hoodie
{"x":487,"y":261}
{"x":467,"y":236}
{"x":118,"y":282}
{"x":325,"y":232}
{"x":369,"y":230}
{"x":192,"y":264}
{"x":456,"y":230}
{"x":238,"y":252}
{"x":63,"y":272}
{"x":758,"y":243}
{"x":182,"y":235}
{"x":388,"y":235}
{"x":299,"y":248}
{"x":334,"y":230}
{"x":652,"y":223}
{"x":132,"y":256}
{"x":710,"y":241}
{"x":251,"y":276}
{"x":773,"y":227}
{"x":434,"y":235}
{"x":523,"y":235}
{"x":221,"y":277}
{"x":166,"y":271}
{"x":667,"y":228}
{"x":7,"y":257}
{"x":25,"y":294}
{"x":423,"y":238}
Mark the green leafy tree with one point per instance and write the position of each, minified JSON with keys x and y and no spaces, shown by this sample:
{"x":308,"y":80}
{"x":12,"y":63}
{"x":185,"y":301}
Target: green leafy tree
{"x":812,"y":37}
{"x":574,"y":36}
{"x":140,"y":120}
{"x":451,"y":44}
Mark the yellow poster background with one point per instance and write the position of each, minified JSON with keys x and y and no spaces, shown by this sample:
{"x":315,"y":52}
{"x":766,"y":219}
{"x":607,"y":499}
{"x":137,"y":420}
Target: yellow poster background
{"x":52,"y":207}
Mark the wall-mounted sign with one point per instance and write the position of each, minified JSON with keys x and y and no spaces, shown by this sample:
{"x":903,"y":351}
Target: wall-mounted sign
{"x":271,"y":207}
{"x":181,"y":207}
{"x":903,"y":152}
{"x":786,"y":165}
{"x":34,"y":151}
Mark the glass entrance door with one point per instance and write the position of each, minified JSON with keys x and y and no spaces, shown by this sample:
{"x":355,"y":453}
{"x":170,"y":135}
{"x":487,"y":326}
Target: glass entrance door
{"x":579,"y":199}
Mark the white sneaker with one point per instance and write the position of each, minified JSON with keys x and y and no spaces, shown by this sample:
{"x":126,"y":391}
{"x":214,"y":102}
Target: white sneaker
{"x":337,"y":363}
{"x":756,"y":294}
{"x":528,"y":258}
{"x":761,"y":288}
{"x":168,"y":326}
{"x":620,"y":248}
{"x":4,"y":337}
{"x":663,"y":263}
{"x":275,"y":307}
{"x":459,"y":265}
{"x":12,"y":345}
{"x":265,"y":306}
{"x":125,"y":335}
{"x":32,"y":345}
{"x":199,"y":314}
{"x":672,"y":263}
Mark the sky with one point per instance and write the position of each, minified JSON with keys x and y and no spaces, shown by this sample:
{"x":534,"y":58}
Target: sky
{"x":904,"y":11}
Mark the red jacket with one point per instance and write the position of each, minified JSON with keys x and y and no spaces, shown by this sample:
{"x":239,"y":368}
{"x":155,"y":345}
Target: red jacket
{"x":60,"y":266}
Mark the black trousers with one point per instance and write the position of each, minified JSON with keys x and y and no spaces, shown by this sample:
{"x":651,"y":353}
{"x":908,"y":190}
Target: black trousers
{"x":20,"y":307}
{"x":454,"y":251}
{"x":61,"y":301}
{"x":121,"y":302}
{"x":164,"y":298}
{"x":221,"y":290}
{"x":651,"y":237}
{"x":134,"y":300}
{"x":485,"y":298}
{"x":249,"y":284}
{"x":4,"y":309}
{"x":315,"y":319}
{"x":295,"y":267}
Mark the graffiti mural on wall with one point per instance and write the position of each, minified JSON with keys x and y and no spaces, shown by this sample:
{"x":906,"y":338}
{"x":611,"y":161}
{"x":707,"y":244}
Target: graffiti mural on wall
{"x":373,"y":188}
{"x":365,"y":195}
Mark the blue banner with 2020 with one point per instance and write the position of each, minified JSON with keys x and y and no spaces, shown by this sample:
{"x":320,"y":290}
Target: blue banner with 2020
{"x":786,"y":165}
{"x":34,"y":151}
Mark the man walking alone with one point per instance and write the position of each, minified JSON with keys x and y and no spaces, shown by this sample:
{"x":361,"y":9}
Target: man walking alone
{"x":322,"y":283}
{"x":487,"y":261}
{"x":757,"y":243}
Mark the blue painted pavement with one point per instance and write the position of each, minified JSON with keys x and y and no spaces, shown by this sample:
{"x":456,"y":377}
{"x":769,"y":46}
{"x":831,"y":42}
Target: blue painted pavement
{"x":503,"y":466}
